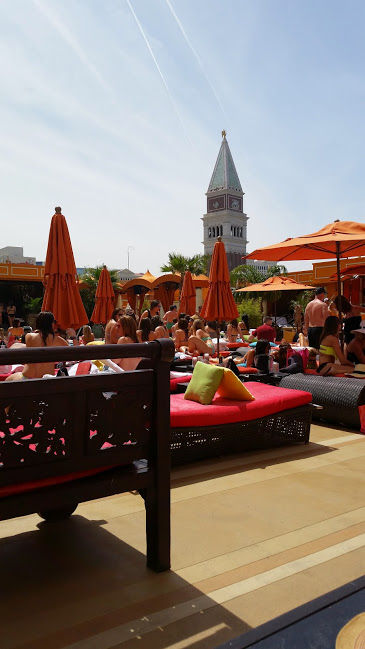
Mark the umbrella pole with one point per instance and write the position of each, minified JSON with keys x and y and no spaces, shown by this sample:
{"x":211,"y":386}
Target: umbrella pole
{"x":218,"y":330}
{"x":338,"y":253}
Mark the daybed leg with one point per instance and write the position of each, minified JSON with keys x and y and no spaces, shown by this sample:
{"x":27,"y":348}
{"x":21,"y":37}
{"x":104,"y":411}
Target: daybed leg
{"x":158,"y":529}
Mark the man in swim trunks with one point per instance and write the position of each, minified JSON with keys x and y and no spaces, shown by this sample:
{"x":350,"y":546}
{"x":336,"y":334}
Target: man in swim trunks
{"x":315,"y":316}
{"x":169,"y":317}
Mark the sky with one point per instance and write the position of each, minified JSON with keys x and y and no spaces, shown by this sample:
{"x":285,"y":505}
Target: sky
{"x":114,"y":111}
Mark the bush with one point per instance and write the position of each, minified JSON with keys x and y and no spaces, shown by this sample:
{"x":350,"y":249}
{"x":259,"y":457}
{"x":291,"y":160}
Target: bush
{"x":251,"y":306}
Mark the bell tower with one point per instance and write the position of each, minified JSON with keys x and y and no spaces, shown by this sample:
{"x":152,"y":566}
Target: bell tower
{"x":225,"y":217}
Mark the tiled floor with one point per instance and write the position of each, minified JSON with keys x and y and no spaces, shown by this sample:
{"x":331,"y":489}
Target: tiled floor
{"x":252,"y":537}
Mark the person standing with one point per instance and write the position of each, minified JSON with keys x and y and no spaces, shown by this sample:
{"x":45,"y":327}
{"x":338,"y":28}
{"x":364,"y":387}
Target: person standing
{"x":315,"y":316}
{"x":169,"y":317}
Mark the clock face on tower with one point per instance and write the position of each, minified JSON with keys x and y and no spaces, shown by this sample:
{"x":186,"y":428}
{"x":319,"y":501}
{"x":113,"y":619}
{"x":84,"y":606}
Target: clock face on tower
{"x":216,"y":203}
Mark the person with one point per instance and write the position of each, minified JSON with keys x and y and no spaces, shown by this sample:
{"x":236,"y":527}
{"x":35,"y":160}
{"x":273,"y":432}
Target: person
{"x":169,"y":317}
{"x":265,"y":332}
{"x":330,"y":349}
{"x":145,"y":333}
{"x":315,"y":315}
{"x":43,"y":336}
{"x":199,"y":342}
{"x":16,"y":330}
{"x":212,"y":329}
{"x":11,"y":310}
{"x":112,"y":329}
{"x":281,"y":354}
{"x":153,"y":310}
{"x":312,"y":359}
{"x":182,"y":335}
{"x":158,"y":327}
{"x":87,"y":335}
{"x":128,"y":329}
{"x":233,"y":331}
{"x":262,"y":347}
{"x":351,"y":317}
{"x":356,"y":347}
{"x":244,"y":325}
{"x":71,"y":337}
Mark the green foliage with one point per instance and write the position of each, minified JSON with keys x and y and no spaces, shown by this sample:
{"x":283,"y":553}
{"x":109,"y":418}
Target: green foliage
{"x":33,"y":305}
{"x":302,"y":300}
{"x":177,"y":263}
{"x":244,"y":274}
{"x":251,"y":306}
{"x":88,"y":300}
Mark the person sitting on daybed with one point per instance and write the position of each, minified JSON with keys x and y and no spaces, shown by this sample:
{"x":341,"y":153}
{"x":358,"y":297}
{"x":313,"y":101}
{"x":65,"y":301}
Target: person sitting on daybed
{"x":145,"y":333}
{"x":262,"y":348}
{"x":233,"y":331}
{"x":356,"y":348}
{"x":128,"y":330}
{"x":330,"y":350}
{"x":351,"y":317}
{"x":43,"y":336}
{"x":182,"y":335}
{"x":200,"y":342}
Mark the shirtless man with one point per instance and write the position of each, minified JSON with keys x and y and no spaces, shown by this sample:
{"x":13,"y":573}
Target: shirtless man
{"x":315,"y":316}
{"x":44,"y":336}
{"x":113,"y":329}
{"x":169,"y":317}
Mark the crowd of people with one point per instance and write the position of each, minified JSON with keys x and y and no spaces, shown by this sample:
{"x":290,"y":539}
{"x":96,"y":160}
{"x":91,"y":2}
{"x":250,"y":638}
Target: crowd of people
{"x":192,"y":336}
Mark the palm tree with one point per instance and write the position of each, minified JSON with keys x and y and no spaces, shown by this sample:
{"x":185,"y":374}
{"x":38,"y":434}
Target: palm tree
{"x":244,"y":274}
{"x":177,"y":263}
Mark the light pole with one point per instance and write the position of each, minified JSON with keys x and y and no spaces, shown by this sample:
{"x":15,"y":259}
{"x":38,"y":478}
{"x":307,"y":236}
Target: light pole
{"x":128,"y":249}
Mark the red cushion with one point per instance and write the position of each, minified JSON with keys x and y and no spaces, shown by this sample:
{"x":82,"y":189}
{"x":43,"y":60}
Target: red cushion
{"x":83,"y":367}
{"x":269,"y":399}
{"x":10,"y":490}
{"x":184,"y":378}
{"x":4,"y":376}
{"x":236,"y":345}
{"x":247,"y":370}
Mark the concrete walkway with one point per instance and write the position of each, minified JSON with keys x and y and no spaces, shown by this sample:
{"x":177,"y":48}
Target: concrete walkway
{"x":253,"y":536}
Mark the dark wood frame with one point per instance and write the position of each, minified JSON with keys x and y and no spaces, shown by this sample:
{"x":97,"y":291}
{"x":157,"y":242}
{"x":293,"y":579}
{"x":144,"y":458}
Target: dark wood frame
{"x":142,"y":405}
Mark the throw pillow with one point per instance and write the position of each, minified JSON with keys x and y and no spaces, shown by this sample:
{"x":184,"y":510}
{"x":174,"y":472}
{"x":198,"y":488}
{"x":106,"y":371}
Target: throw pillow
{"x":232,"y":388}
{"x":204,"y":383}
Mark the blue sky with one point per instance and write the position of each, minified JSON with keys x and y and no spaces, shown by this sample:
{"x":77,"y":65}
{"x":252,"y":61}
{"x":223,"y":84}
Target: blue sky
{"x":114,"y":111}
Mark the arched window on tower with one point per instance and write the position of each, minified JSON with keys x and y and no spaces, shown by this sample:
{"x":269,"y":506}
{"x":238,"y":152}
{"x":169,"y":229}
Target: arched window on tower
{"x":213,"y":232}
{"x":241,"y":232}
{"x":231,"y":230}
{"x":221,"y":230}
{"x":209,"y":232}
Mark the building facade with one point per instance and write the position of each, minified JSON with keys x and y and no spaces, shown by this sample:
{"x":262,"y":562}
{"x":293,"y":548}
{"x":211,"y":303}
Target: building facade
{"x":225,"y":217}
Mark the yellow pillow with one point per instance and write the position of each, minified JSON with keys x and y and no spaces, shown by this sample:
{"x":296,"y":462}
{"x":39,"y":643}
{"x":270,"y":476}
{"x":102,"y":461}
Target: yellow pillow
{"x":204,"y":383}
{"x":232,"y":388}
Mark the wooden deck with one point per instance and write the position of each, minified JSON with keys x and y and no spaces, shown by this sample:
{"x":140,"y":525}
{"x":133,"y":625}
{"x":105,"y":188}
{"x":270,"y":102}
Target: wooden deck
{"x":253,"y":536}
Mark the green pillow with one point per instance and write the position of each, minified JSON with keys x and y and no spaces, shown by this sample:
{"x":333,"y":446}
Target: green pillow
{"x":204,"y":383}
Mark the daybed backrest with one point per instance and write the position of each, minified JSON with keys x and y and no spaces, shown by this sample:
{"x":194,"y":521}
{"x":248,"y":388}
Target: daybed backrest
{"x":68,"y":424}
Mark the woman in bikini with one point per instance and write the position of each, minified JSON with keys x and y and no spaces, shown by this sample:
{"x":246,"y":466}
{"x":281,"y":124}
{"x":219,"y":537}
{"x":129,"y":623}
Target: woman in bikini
{"x":43,"y":336}
{"x":145,"y":333}
{"x":112,"y":330}
{"x":182,"y":335}
{"x":330,"y":350}
{"x":199,"y":342}
{"x":232,"y":331}
{"x":128,"y":330}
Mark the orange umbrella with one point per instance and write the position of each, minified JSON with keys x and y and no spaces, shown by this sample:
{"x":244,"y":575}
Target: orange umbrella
{"x":275,"y":283}
{"x":188,"y":295}
{"x":62,"y":295}
{"x":340,"y":239}
{"x":219,"y":303}
{"x":104,"y":299}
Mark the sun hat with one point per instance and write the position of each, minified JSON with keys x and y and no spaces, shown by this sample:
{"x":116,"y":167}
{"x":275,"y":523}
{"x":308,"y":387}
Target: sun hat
{"x":361,"y":329}
{"x":352,"y":635}
{"x":358,"y":372}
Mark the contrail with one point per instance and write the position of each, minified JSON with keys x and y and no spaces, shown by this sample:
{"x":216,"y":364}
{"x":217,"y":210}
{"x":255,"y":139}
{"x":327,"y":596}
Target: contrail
{"x":67,"y":36}
{"x":196,"y":55}
{"x":159,"y":71}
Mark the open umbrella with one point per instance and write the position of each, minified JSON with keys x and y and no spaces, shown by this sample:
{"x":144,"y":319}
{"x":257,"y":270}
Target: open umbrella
{"x":188,"y":295}
{"x":104,"y":299}
{"x":340,"y":239}
{"x":62,"y":295}
{"x":275,"y":283}
{"x":219,"y":303}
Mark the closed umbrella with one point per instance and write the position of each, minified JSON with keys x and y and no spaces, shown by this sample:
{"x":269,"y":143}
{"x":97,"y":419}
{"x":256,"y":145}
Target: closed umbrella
{"x":188,"y":295}
{"x":219,"y":303}
{"x":104,"y":299}
{"x":62,"y":295}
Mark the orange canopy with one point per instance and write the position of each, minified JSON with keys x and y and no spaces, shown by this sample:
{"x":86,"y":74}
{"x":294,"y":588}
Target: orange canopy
{"x":338,"y":239}
{"x":104,"y":299}
{"x":219,"y":303}
{"x":188,"y":295}
{"x":275,"y":283}
{"x":350,"y":271}
{"x":62,"y":295}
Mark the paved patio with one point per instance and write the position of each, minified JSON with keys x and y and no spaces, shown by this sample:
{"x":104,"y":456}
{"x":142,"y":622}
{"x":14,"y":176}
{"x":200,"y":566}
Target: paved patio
{"x":253,"y":536}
